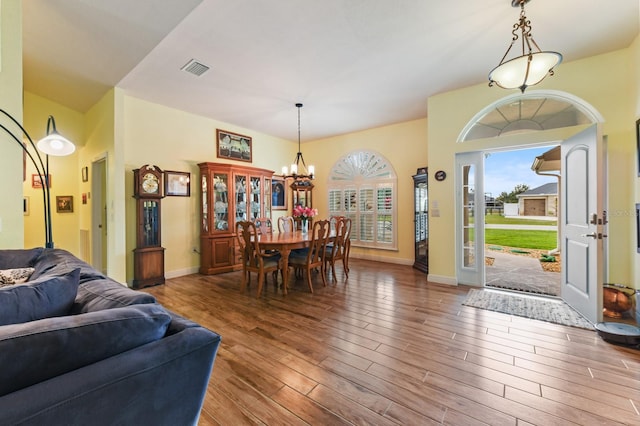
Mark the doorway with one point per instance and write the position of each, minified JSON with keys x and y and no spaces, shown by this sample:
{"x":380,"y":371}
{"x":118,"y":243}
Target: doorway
{"x":99,"y":215}
{"x":522,"y":239}
{"x":581,"y":193}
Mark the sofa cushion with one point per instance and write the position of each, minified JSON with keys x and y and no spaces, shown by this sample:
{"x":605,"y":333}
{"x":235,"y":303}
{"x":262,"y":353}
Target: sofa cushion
{"x":19,"y":258}
{"x":106,"y":293}
{"x":42,"y":298}
{"x":59,"y":261}
{"x":39,"y":350}
{"x":14,"y":276}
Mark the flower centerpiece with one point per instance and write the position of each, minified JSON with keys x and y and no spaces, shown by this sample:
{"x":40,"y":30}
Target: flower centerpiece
{"x":304,"y":213}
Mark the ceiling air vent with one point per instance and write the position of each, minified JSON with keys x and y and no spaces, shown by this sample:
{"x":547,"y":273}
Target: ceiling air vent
{"x":195,"y":67}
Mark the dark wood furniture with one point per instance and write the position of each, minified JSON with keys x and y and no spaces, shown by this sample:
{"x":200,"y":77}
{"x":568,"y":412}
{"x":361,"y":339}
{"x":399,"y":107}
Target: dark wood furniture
{"x":421,"y":211}
{"x":148,"y":256}
{"x":229,"y":193}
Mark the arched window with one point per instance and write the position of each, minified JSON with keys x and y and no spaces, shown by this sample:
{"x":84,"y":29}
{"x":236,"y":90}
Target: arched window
{"x":535,"y":110}
{"x":362,"y":186}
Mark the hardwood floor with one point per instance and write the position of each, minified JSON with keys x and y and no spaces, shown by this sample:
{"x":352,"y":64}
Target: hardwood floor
{"x":385,"y":347}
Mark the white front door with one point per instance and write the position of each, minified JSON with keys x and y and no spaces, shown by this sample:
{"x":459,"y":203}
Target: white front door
{"x":470,"y":218}
{"x":582,"y":222}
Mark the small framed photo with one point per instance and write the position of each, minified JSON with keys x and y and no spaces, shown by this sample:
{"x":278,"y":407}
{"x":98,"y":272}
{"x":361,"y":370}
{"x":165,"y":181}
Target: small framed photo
{"x":233,"y":146}
{"x":177,"y":184}
{"x":26,"y":207}
{"x":36,"y":182}
{"x":64,"y":203}
{"x":278,"y":193}
{"x":85,"y":174}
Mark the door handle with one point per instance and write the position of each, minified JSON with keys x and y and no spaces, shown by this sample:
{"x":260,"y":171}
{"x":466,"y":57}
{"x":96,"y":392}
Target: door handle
{"x":592,"y":235}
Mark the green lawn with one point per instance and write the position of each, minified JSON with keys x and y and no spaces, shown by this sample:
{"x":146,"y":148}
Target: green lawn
{"x":542,"y":240}
{"x":492,"y":219}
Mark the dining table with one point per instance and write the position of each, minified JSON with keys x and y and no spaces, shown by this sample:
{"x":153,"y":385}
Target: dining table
{"x":285,"y":242}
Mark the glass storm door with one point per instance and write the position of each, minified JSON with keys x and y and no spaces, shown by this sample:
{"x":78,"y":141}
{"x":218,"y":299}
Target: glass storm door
{"x":470,"y":218}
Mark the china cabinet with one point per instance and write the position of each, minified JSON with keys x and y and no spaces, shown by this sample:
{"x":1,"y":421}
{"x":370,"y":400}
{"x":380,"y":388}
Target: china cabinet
{"x":302,"y":193}
{"x":421,"y":211}
{"x":229,"y":194}
{"x":148,"y":256}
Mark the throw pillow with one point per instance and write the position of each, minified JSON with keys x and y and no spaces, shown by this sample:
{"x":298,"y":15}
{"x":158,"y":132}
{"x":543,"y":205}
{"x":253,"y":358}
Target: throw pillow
{"x":19,"y":258}
{"x":42,"y":298}
{"x":14,"y":276}
{"x":39,"y":350}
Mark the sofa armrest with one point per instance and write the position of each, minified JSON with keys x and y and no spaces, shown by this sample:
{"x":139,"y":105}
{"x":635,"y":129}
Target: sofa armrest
{"x":160,"y":383}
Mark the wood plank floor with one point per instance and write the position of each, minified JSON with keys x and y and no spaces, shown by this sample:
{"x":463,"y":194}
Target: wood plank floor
{"x":385,"y":347}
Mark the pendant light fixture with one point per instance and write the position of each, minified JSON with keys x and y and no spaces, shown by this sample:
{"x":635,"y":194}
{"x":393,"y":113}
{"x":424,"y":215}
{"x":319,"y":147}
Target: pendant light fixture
{"x":532,"y":66}
{"x":299,"y":170}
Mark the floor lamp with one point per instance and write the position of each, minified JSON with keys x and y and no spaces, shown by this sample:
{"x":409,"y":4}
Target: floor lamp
{"x":51,"y":144}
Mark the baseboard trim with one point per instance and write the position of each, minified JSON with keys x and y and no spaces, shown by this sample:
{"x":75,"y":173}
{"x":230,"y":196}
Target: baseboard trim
{"x":441,"y":279}
{"x":384,"y":259}
{"x":181,"y":272}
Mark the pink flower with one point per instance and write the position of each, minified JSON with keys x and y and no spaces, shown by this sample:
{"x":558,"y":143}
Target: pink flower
{"x":304,"y":212}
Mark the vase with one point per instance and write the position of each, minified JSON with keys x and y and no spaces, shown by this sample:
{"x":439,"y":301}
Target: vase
{"x":305,"y":226}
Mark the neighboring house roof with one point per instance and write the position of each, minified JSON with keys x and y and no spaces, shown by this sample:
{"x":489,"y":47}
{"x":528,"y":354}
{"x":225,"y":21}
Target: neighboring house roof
{"x":546,"y":189}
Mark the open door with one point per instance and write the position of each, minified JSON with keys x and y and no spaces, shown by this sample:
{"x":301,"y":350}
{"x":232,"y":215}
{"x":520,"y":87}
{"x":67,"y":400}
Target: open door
{"x":582,"y":222}
{"x":470,"y":218}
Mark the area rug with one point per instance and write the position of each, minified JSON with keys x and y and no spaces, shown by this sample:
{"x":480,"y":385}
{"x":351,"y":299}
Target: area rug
{"x":555,"y":311}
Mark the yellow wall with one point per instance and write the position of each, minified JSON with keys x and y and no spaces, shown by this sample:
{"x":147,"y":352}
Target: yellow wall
{"x":602,"y":81}
{"x":178,"y":141}
{"x":11,"y":218}
{"x":404,"y":145}
{"x":64,"y":172}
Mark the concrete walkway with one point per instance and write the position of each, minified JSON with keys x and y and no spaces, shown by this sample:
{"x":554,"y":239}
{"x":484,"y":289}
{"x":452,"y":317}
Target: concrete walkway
{"x":522,"y":273}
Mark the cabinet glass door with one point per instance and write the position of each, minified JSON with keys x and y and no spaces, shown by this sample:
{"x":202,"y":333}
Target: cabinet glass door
{"x":241,"y":198}
{"x":421,"y":223}
{"x":254,"y":197}
{"x":220,"y":201}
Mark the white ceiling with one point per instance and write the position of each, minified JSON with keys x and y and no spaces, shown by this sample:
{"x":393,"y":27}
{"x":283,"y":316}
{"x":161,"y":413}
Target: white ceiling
{"x":354,"y":64}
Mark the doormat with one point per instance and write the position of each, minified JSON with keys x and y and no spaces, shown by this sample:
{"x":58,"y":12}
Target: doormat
{"x":555,"y":311}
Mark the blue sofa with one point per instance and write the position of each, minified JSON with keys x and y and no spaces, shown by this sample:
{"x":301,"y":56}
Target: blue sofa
{"x":78,"y":348}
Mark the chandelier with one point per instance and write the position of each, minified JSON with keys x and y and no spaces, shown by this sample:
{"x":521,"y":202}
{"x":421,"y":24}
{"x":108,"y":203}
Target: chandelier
{"x":300,"y":172}
{"x":532,"y":66}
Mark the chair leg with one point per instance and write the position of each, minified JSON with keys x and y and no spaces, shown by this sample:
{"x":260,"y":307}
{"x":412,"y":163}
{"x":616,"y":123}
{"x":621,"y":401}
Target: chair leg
{"x":243,"y":286}
{"x":260,"y":283}
{"x":309,"y":280}
{"x":333,"y":270}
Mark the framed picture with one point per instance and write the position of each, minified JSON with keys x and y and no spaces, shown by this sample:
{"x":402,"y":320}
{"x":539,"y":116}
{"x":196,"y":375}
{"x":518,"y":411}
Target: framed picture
{"x":64,"y":203}
{"x":26,"y":206}
{"x":638,"y":144}
{"x":278,"y":194}
{"x":85,"y":174}
{"x":177,"y":183}
{"x":36,"y":182}
{"x":233,"y":146}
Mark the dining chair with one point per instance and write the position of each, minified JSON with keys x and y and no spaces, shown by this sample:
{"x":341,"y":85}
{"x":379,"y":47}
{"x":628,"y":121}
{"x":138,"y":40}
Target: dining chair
{"x":286,"y":224}
{"x":314,"y":257}
{"x":254,"y":259}
{"x":263,"y":225}
{"x":337,"y":250}
{"x":347,"y":243}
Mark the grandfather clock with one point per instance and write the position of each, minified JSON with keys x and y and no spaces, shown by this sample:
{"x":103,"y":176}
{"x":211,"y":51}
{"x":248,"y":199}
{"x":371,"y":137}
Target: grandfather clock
{"x":148,"y":256}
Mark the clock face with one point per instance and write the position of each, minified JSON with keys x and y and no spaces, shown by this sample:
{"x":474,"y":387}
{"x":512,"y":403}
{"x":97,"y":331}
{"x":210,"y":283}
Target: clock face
{"x":150,"y":183}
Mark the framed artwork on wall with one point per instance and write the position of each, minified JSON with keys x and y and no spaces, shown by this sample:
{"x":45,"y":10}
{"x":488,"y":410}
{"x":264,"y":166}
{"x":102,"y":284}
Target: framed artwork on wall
{"x":177,"y":184}
{"x":233,"y":146}
{"x":278,"y":193}
{"x":85,"y":174}
{"x":64,"y":203}
{"x":37,"y":183}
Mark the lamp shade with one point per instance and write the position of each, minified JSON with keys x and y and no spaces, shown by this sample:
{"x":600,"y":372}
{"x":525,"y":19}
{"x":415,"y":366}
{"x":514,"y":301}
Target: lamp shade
{"x":55,"y":144}
{"x":525,"y":70}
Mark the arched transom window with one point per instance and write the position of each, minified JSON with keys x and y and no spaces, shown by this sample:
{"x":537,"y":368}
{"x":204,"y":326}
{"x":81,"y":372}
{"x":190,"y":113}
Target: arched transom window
{"x":362,"y":186}
{"x":525,"y":113}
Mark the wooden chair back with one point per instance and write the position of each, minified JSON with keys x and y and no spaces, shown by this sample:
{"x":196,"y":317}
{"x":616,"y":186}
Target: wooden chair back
{"x":263,"y":225}
{"x":286,"y":224}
